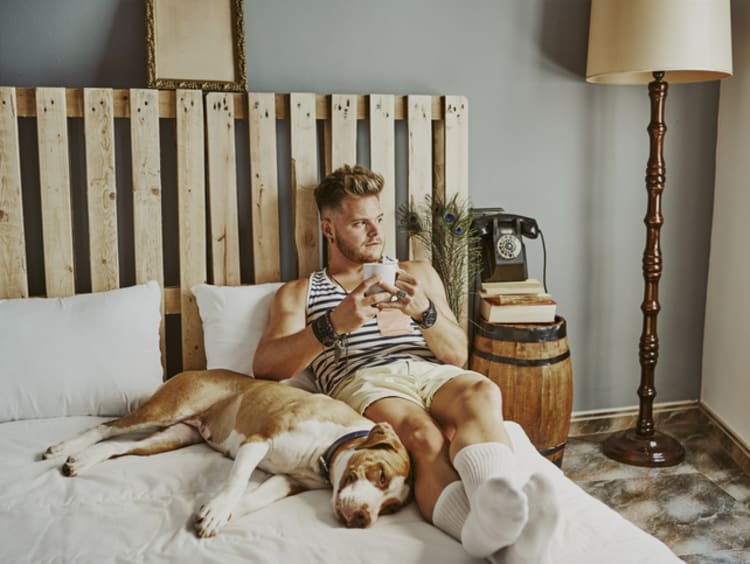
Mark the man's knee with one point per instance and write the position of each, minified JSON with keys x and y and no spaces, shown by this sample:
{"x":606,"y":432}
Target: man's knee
{"x":477,"y":398}
{"x":422,"y":437}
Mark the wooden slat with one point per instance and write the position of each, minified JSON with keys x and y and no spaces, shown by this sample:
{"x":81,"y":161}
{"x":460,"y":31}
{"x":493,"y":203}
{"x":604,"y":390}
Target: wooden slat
{"x":191,"y":220}
{"x":101,"y":191}
{"x":383,"y":161}
{"x":457,"y":162}
{"x":13,"y":273}
{"x":54,"y":180}
{"x":456,"y":147}
{"x":27,"y":107}
{"x":419,"y":162}
{"x":343,"y":130}
{"x":147,"y":190}
{"x":222,"y":186}
{"x":264,"y":187}
{"x":304,"y":179}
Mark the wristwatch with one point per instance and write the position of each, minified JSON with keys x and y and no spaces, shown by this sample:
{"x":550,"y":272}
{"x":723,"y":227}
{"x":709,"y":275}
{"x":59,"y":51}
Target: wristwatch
{"x":429,"y":317}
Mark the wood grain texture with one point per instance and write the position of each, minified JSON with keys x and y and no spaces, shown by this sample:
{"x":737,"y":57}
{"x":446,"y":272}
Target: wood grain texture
{"x":222,"y":187}
{"x":54,"y":181}
{"x":536,"y":380}
{"x":191,"y":221}
{"x":145,"y":158}
{"x":101,"y":192}
{"x":343,"y":130}
{"x":420,"y":163}
{"x":147,"y":187}
{"x":264,"y":187}
{"x":456,"y":165}
{"x":383,"y":161}
{"x":25,"y":98}
{"x":304,"y":176}
{"x":13,"y":270}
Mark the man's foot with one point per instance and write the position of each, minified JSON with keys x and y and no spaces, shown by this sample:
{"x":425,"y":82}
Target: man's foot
{"x":499,"y":512}
{"x":532,"y":546}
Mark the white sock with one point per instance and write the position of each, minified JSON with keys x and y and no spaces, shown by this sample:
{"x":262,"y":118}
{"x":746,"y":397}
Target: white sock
{"x":532,"y":546}
{"x":498,"y":508}
{"x":451,"y":509}
{"x":476,"y":463}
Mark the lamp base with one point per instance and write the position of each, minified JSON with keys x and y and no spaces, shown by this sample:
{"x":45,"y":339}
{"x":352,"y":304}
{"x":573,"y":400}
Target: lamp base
{"x":653,"y":450}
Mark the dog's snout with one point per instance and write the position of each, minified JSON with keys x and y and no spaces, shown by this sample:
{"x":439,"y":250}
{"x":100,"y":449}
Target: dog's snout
{"x":359,"y":520}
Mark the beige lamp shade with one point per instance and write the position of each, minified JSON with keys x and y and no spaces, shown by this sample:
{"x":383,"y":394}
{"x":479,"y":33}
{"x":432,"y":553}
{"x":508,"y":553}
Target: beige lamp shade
{"x":629,"y":40}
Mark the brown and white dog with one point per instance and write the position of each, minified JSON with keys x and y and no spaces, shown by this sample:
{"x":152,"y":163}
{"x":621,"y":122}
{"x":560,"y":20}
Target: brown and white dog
{"x":307,"y":441}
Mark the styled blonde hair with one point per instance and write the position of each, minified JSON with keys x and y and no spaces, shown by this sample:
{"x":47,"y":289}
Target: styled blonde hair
{"x":346,"y":181}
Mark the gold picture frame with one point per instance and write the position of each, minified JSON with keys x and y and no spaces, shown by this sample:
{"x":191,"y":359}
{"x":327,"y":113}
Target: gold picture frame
{"x":196,"y":44}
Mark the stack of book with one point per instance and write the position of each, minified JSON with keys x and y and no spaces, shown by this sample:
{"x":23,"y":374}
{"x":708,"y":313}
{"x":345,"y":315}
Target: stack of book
{"x":523,"y":301}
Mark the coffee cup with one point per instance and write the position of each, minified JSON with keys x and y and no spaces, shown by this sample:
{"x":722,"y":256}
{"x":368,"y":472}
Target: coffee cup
{"x":386,"y":271}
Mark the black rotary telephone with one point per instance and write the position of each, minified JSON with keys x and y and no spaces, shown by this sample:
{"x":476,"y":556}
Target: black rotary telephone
{"x":503,"y":250}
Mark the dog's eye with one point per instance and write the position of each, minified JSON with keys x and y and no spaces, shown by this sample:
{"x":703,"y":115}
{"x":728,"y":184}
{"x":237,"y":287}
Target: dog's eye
{"x":349,"y":479}
{"x":383,"y":477}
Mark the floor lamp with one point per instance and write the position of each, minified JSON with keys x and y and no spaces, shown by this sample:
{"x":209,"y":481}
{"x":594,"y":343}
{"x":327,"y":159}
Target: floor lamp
{"x":655,"y":42}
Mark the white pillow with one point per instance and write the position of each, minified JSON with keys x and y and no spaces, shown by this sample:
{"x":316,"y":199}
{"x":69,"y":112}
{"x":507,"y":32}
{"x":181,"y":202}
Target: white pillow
{"x":234,"y":318}
{"x":90,"y":354}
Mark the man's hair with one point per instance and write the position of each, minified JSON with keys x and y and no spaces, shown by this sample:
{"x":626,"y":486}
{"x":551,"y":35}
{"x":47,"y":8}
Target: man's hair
{"x":347,"y":181}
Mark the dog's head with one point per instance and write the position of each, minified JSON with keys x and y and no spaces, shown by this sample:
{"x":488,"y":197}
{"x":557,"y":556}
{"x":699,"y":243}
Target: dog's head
{"x":371,"y":479}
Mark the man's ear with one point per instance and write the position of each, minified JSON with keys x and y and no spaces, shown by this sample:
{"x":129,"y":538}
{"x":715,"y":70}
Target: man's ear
{"x":327,"y":229}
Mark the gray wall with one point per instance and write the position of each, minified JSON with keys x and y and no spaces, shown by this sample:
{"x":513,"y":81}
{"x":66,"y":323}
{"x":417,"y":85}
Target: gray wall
{"x":543,"y":143}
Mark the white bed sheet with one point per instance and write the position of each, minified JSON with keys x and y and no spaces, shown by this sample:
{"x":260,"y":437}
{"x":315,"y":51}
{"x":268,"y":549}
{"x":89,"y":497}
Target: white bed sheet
{"x":140,"y":509}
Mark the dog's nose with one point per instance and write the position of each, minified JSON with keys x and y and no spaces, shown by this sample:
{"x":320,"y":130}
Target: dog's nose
{"x":360,"y":519}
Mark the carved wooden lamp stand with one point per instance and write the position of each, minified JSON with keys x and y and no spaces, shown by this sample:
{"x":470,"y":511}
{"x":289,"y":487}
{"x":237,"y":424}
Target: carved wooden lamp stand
{"x":652,"y":41}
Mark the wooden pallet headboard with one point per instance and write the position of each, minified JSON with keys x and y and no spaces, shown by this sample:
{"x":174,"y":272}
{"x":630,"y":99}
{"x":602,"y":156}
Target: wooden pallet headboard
{"x":207,"y":156}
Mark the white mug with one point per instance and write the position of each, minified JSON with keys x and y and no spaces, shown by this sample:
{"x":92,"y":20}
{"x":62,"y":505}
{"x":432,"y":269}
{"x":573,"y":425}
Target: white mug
{"x":386,"y":271}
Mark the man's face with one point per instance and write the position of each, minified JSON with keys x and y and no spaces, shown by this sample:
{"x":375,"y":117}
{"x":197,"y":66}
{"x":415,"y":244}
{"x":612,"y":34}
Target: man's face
{"x":357,"y":228}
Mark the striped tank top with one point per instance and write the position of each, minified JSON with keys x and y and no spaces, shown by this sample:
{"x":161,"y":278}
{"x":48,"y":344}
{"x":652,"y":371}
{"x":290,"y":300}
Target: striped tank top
{"x":366,"y":347}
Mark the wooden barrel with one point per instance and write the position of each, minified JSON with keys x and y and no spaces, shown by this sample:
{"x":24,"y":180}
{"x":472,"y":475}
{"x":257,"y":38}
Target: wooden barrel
{"x":531,"y":365}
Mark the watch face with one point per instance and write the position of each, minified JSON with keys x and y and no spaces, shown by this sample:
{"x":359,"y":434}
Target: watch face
{"x":429,"y":317}
{"x":508,"y":246}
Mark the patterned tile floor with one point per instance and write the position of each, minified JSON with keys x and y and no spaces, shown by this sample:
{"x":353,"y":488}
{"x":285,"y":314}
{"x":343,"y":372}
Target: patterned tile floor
{"x":699,"y":508}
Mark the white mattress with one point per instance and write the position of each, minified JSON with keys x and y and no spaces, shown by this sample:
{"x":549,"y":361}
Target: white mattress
{"x":140,"y":509}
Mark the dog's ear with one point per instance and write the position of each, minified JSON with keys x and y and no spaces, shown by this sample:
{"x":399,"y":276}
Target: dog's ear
{"x":381,"y":435}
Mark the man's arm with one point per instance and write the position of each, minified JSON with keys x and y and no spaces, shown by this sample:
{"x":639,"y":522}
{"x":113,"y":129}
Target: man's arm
{"x":287,"y":346}
{"x":446,"y":339}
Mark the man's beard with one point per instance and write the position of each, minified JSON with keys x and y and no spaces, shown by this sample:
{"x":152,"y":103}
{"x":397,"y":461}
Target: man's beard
{"x":357,"y":254}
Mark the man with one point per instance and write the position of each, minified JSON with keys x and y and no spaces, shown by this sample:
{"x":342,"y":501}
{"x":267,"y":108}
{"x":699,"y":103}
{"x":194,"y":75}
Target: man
{"x":397,"y":356}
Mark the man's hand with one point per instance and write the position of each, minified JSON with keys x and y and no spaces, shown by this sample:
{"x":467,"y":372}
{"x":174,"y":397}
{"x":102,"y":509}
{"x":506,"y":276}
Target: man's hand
{"x":411,"y":298}
{"x":357,"y":308}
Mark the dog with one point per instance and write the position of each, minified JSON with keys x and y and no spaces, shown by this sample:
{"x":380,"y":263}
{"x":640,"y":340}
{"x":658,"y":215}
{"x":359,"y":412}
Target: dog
{"x":306,"y":441}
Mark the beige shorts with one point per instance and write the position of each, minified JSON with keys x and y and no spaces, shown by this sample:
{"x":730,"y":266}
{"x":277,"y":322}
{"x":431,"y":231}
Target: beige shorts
{"x":414,"y":380}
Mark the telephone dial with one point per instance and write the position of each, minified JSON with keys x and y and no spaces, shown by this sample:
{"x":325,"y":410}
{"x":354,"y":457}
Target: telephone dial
{"x":503,"y":250}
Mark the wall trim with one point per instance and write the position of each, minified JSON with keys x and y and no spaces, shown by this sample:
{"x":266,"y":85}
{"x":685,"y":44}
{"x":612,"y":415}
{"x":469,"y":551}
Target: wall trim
{"x":618,"y":419}
{"x":737,"y":448}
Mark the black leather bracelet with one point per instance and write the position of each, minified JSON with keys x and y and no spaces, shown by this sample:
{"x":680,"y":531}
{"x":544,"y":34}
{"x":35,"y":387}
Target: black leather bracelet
{"x":323,"y":330}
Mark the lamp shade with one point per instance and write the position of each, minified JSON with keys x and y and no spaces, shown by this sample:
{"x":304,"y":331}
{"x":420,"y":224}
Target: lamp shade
{"x":629,"y":40}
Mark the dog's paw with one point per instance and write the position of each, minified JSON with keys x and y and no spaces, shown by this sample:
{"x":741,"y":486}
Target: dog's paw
{"x":77,"y":465}
{"x":213,"y":516}
{"x":55,"y":451}
{"x":70,"y":468}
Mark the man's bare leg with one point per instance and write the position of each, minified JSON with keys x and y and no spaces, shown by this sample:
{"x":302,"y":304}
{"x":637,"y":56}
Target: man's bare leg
{"x":469,"y":408}
{"x":426,"y":444}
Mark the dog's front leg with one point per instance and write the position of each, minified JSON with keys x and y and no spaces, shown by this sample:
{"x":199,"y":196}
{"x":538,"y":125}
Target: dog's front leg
{"x":276,"y":487}
{"x":217,"y":512}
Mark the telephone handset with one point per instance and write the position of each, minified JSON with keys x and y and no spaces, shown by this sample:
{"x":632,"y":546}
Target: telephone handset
{"x":503,"y":250}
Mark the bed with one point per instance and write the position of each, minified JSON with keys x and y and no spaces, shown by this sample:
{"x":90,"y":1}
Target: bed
{"x":143,"y":232}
